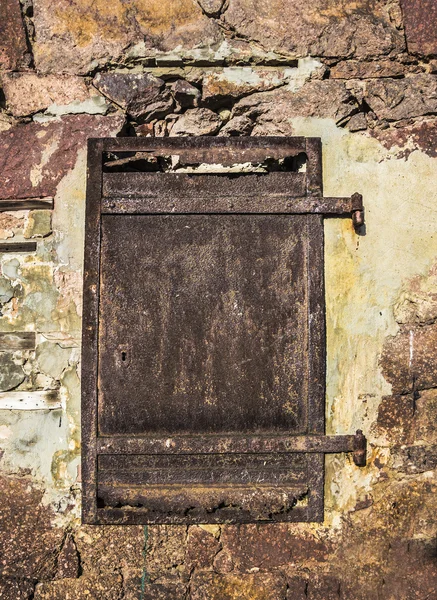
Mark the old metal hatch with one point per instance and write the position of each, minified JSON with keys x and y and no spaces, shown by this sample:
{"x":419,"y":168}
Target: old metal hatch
{"x":203,"y":377}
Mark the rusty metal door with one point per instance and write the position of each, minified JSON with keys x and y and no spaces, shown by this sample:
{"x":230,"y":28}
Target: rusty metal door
{"x":204,"y":331}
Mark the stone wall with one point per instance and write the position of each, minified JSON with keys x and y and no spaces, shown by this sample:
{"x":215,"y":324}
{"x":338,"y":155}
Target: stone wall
{"x":360,"y":74}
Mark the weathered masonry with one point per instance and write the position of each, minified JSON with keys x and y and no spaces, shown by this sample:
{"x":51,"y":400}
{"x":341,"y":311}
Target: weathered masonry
{"x":360,"y":76}
{"x":203,"y":374}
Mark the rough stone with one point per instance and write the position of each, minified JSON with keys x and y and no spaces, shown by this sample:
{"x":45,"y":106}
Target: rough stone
{"x":355,"y":69}
{"x":259,"y":586}
{"x":166,"y":549}
{"x":234,"y":82}
{"x":101,"y":548}
{"x":411,"y":569}
{"x":39,"y":224}
{"x":396,"y":99}
{"x":274,"y":110}
{"x":347,"y":28}
{"x":5,"y":122}
{"x":133,"y":92}
{"x":160,"y":591}
{"x":68,"y":564}
{"x":201,"y":548}
{"x":29,"y":541}
{"x":10,"y":224}
{"x":396,"y":417}
{"x":418,"y":303}
{"x":11,"y":374}
{"x":297,"y":588}
{"x":145,"y":130}
{"x":28,"y":93}
{"x":51,"y":151}
{"x":13,"y":45}
{"x":420,"y":18}
{"x":95,"y":105}
{"x":408,"y":361}
{"x":6,"y":290}
{"x":269,"y":546}
{"x":416,"y":459}
{"x":84,"y":588}
{"x":417,"y":136}
{"x":409,"y":418}
{"x":237,"y":126}
{"x":10,"y":268}
{"x":52,"y":359}
{"x":16,"y":589}
{"x":76,"y":37}
{"x":323,"y":587}
{"x":357,"y":122}
{"x":197,"y":121}
{"x":212,"y":7}
{"x":185,"y":94}
{"x":223,"y":562}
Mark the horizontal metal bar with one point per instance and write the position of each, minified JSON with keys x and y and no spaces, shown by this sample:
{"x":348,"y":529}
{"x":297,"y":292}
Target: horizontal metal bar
{"x":13,"y":204}
{"x":223,"y":444}
{"x":223,"y":150}
{"x":238,"y":205}
{"x":185,"y":186}
{"x":139,"y":516}
{"x":24,"y":340}
{"x":18,"y":247}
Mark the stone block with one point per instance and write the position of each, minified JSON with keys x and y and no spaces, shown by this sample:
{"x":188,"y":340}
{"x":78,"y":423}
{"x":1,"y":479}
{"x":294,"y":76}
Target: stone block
{"x":52,"y":359}
{"x":134,"y":92}
{"x":68,"y":563}
{"x":11,"y":374}
{"x":197,"y":121}
{"x":407,"y":359}
{"x":259,"y":586}
{"x":324,"y":99}
{"x":397,"y":99}
{"x":38,"y":224}
{"x":269,"y":546}
{"x":339,"y":28}
{"x":158,"y":591}
{"x":74,"y":36}
{"x":222,"y":87}
{"x":202,"y":547}
{"x":108,"y":548}
{"x":185,"y":94}
{"x":29,"y":542}
{"x":16,"y":589}
{"x":166,"y":550}
{"x":416,"y":136}
{"x":28,"y":93}
{"x":420,"y":19}
{"x":357,"y":69}
{"x":13,"y":45}
{"x":51,"y":151}
{"x":415,"y":459}
{"x":323,"y":587}
{"x":237,"y":126}
{"x":84,"y":588}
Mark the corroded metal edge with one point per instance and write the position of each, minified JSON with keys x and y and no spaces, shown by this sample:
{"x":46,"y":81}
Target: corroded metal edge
{"x":225,"y":151}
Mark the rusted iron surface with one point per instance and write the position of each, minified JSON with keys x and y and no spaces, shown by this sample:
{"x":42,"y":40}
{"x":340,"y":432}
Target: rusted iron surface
{"x":187,"y":186}
{"x":220,"y":333}
{"x":204,"y":331}
{"x":204,"y":503}
{"x":26,"y":204}
{"x":17,"y":246}
{"x":228,"y":444}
